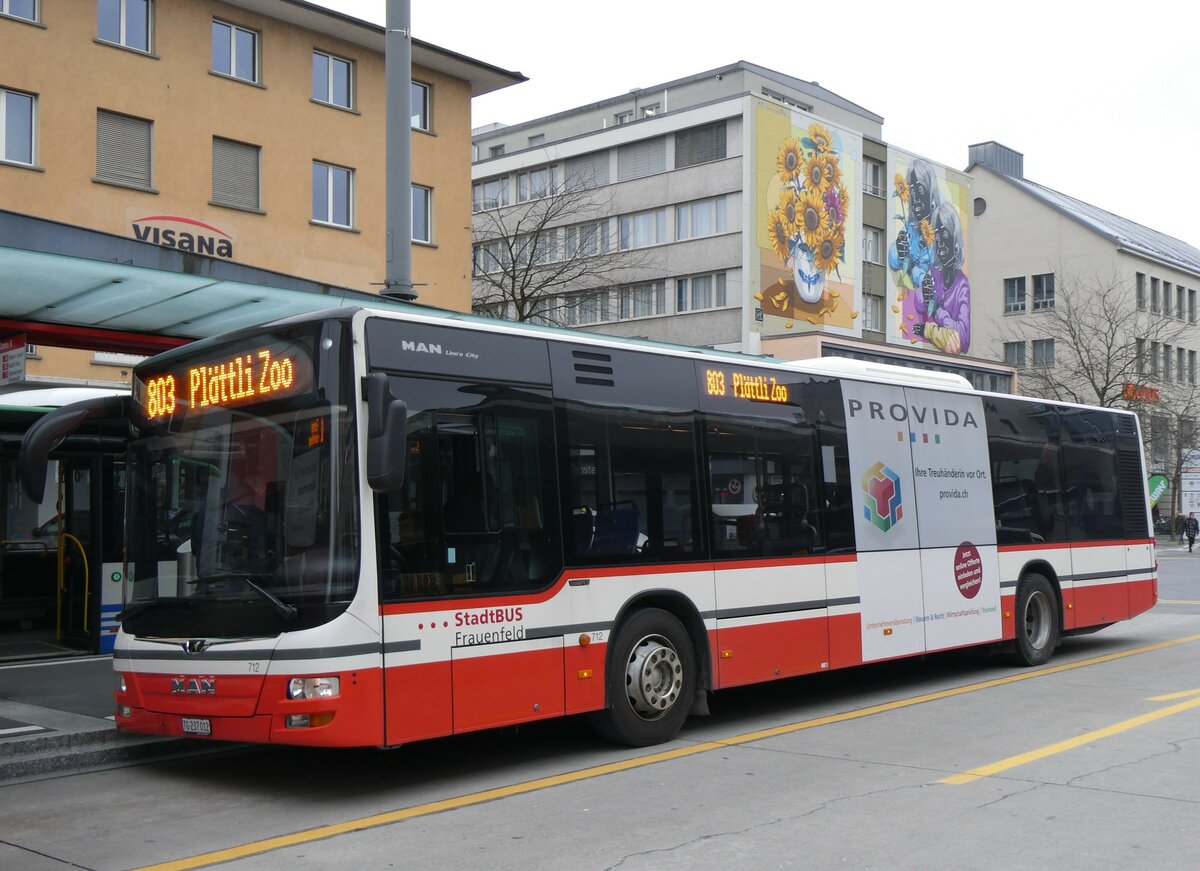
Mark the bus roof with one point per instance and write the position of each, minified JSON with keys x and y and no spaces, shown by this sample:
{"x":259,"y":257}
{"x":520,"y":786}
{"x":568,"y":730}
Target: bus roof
{"x":54,"y":397}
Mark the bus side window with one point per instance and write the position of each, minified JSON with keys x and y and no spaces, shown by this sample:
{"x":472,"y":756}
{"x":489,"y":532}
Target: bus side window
{"x":633,"y":481}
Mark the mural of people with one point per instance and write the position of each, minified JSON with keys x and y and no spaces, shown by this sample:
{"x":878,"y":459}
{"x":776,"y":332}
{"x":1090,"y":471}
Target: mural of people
{"x":912,"y":253}
{"x":927,"y":263}
{"x":947,"y":303}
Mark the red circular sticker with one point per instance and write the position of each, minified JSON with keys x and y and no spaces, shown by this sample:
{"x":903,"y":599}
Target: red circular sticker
{"x":968,"y":570}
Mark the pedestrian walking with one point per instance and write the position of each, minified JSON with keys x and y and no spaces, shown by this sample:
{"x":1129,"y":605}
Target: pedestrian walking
{"x":1191,"y":526}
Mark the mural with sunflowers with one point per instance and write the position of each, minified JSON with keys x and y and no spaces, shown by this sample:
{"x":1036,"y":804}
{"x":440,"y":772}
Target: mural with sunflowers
{"x":927,"y":255}
{"x":808,"y":232}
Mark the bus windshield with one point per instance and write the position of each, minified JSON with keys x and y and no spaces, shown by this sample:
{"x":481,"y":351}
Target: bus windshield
{"x":242,"y":516}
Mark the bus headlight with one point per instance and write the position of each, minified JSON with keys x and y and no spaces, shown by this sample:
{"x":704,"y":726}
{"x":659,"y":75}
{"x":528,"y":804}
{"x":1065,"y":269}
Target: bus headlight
{"x":313,"y":688}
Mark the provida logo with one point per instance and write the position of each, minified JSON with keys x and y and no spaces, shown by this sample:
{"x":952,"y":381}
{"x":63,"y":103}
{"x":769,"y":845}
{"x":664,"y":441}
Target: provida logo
{"x":183,"y":234}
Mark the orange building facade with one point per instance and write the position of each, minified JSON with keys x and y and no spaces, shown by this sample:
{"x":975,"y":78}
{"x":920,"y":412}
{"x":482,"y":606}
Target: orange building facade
{"x":252,"y":131}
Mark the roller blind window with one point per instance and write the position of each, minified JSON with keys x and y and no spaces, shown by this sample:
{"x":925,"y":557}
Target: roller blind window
{"x":236,"y":174}
{"x":123,"y":149}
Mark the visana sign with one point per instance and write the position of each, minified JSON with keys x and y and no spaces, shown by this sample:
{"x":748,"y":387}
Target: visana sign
{"x":183,"y":234}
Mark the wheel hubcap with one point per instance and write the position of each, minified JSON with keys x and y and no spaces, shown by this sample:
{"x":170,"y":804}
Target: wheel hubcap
{"x":653,"y":677}
{"x":1037,"y":620}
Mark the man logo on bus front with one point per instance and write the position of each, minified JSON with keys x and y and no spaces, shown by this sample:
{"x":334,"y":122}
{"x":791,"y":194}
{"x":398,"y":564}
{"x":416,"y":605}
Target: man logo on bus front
{"x":881,"y":497}
{"x":194,"y":646}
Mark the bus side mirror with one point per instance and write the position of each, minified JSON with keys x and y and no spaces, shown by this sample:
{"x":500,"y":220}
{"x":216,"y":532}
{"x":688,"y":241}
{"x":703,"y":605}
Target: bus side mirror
{"x":387,"y":435}
{"x":49,"y":431}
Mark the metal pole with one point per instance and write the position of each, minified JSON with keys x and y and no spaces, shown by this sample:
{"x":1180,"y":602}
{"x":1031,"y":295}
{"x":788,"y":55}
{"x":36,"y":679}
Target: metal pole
{"x":398,"y":63}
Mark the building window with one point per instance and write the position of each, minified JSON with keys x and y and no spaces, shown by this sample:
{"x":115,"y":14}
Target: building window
{"x":332,"y":194}
{"x":1180,"y":304}
{"x":873,"y":245}
{"x":1043,"y":352}
{"x":536,"y":184}
{"x":1014,"y":295}
{"x":643,"y":228}
{"x":1191,"y":306}
{"x":1166,"y":298}
{"x":123,"y":150}
{"x":420,"y":107}
{"x":235,"y":172}
{"x":26,"y":9}
{"x":1166,"y":364}
{"x":1159,"y":430}
{"x":1180,"y":364}
{"x":1154,"y":295}
{"x":1191,"y":370}
{"x":422,"y":214}
{"x":17,"y":116}
{"x":586,"y":171}
{"x":651,"y":110}
{"x":873,"y":312}
{"x":537,"y":139}
{"x":1139,"y":360}
{"x":124,"y":22}
{"x":787,"y":101}
{"x":623,"y":118}
{"x":496,"y":151}
{"x":1140,"y":284}
{"x":234,"y":51}
{"x":332,"y":80}
{"x":591,"y":307}
{"x":700,"y":145}
{"x":1043,"y":292}
{"x":639,"y":159}
{"x":587,"y":240}
{"x":872,"y":177}
{"x":489,"y":194}
{"x":703,"y":218}
{"x":643,"y":300}
{"x":1154,"y":358}
{"x":491,"y":257}
{"x":700,"y":292}
{"x":1014,"y":354}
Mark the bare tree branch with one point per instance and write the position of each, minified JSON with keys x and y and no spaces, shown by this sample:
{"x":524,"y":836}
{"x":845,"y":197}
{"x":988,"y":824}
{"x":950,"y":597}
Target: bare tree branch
{"x":530,"y":257}
{"x":1096,"y":325}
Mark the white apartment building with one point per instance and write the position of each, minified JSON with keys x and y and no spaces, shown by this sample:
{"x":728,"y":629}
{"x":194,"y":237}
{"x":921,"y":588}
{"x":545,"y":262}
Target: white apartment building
{"x":738,"y":208}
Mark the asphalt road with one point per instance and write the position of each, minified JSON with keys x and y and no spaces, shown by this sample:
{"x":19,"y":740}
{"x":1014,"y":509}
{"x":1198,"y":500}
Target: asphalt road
{"x":954,"y":761}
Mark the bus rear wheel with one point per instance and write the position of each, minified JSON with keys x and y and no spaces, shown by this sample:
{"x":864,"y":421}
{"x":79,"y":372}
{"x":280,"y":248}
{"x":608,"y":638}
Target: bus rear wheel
{"x":651,"y":680}
{"x":1037,"y":618}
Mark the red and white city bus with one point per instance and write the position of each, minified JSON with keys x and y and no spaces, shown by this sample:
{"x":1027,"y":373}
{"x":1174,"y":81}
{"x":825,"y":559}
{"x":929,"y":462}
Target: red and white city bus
{"x":365,"y":527}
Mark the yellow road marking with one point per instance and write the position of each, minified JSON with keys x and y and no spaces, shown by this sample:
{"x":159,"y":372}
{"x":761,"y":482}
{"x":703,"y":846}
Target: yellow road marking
{"x":1171,"y":696}
{"x":1070,"y":744}
{"x":319,"y":833}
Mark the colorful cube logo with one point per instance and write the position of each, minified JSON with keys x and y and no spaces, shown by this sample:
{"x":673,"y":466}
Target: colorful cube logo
{"x":881,"y":497}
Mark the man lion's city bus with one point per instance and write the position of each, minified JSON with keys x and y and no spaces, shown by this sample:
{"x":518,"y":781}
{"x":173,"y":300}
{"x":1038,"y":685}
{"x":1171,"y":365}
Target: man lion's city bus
{"x":365,"y":527}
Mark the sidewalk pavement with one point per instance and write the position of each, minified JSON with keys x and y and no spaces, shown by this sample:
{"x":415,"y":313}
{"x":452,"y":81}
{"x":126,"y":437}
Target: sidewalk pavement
{"x":56,"y":716}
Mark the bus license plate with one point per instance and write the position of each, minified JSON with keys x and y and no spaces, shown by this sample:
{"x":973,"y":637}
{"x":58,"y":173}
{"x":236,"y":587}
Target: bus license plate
{"x":196,"y":726}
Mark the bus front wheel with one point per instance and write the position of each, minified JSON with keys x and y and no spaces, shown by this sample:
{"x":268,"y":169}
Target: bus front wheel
{"x":651,"y":680}
{"x":1037,"y":621}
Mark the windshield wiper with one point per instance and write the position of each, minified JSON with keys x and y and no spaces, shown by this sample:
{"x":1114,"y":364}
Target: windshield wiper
{"x":284,"y":609}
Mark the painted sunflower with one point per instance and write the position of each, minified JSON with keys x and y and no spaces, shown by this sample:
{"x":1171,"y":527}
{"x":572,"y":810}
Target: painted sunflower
{"x":779,"y":235}
{"x":789,"y":205}
{"x":789,"y":159}
{"x":832,"y":168}
{"x":813,"y":219}
{"x":815,"y":178}
{"x":926,"y":231}
{"x":821,"y":137}
{"x":901,"y":187}
{"x":828,"y":252}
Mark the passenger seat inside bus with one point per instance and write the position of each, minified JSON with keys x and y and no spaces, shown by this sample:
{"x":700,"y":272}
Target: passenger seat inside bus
{"x":616,"y":529}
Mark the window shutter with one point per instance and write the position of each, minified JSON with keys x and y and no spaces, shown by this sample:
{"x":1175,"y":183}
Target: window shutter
{"x":700,"y":145}
{"x":587,"y":171}
{"x":235,"y":174}
{"x":122,"y":149}
{"x":639,"y":159}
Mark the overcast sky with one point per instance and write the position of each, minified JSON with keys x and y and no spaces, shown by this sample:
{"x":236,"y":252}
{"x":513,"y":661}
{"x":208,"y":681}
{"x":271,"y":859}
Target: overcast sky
{"x":1102,"y":99}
